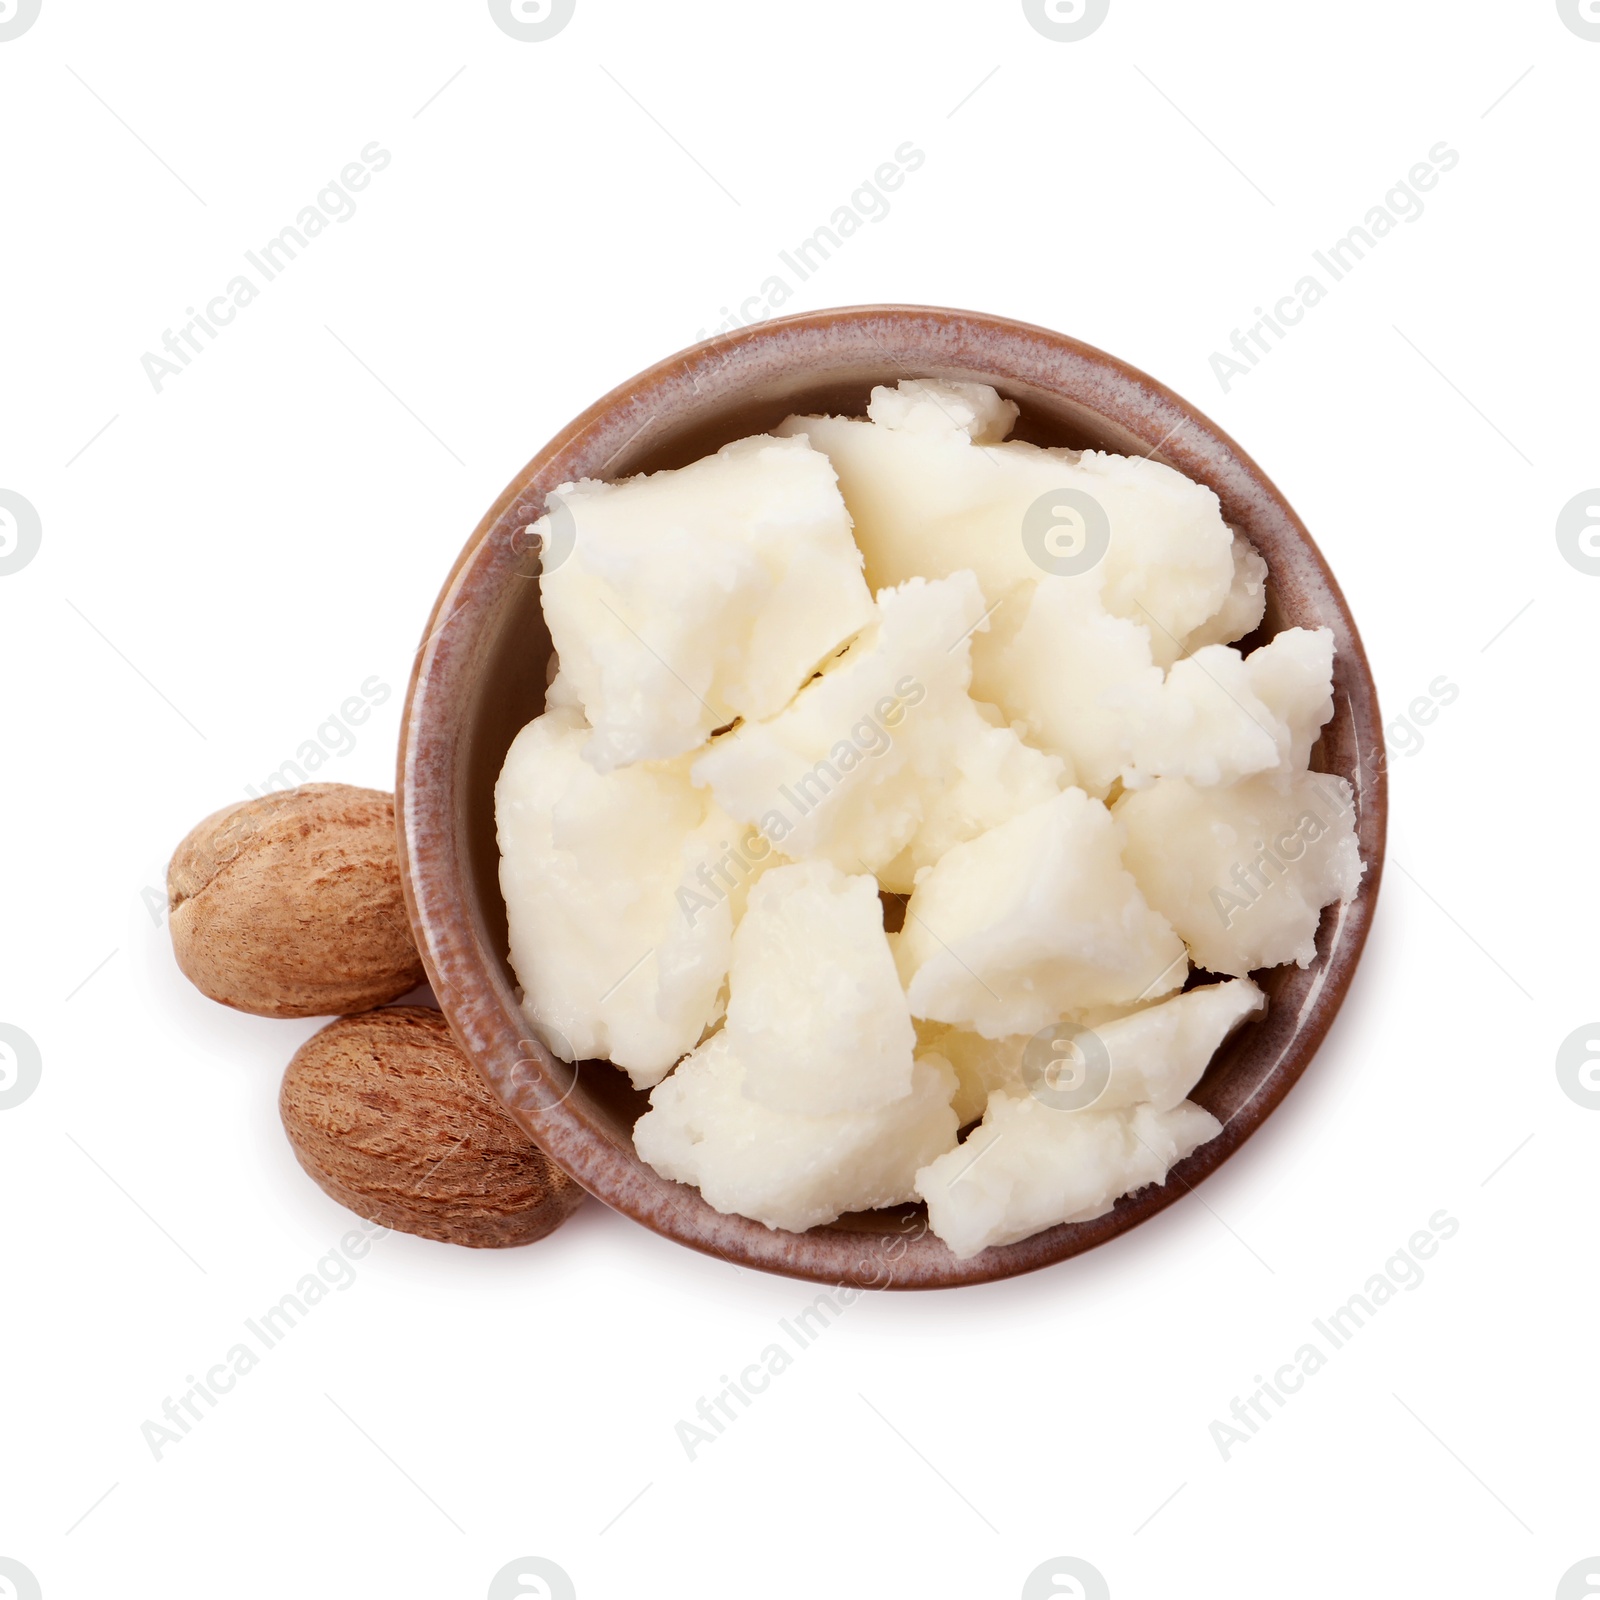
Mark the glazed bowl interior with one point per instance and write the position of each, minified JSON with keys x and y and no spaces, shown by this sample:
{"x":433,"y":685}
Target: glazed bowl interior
{"x":480,"y":676}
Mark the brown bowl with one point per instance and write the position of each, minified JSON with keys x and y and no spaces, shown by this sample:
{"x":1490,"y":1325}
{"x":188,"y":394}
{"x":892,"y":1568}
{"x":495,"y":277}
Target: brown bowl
{"x":480,"y":676}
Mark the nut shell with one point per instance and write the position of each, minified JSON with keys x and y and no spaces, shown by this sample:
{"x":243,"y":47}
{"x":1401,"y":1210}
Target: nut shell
{"x":290,"y":905}
{"x":393,"y":1121}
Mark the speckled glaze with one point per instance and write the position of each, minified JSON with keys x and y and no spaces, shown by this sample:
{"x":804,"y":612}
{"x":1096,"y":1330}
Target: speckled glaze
{"x":479,"y":676}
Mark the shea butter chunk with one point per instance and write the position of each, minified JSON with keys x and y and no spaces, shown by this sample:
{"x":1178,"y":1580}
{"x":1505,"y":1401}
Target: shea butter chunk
{"x":1243,"y":872}
{"x":1032,"y":920}
{"x":1220,"y":716}
{"x":683,"y":600}
{"x":1243,"y":606}
{"x":815,"y":1009}
{"x":1169,"y":565}
{"x":620,"y":927}
{"x":1293,"y":678}
{"x":1079,"y":681}
{"x":872,"y":749}
{"x":981,"y":1065}
{"x":1155,"y":1053}
{"x":1206,"y":724}
{"x":782,"y":1169}
{"x":1029,"y":1167}
{"x":932,"y":491}
{"x":927,"y":405}
{"x":986,"y":776}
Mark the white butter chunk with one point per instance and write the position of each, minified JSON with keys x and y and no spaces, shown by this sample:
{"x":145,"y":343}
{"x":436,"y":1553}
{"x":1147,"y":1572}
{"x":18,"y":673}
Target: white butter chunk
{"x":985,"y":776}
{"x":1220,"y":716}
{"x":815,"y":1010}
{"x":782,"y":1169}
{"x":621,"y":907}
{"x":1170,"y":561}
{"x":930,"y":495}
{"x":1078,"y":680}
{"x":1033,"y":920}
{"x":1155,"y":1054}
{"x":1245,"y":604}
{"x":1293,"y":678}
{"x":884,"y":743}
{"x":1243,"y":872}
{"x":681,"y":601}
{"x":928,"y":405}
{"x":981,"y":1065}
{"x":1206,"y":724}
{"x":1029,"y":1167}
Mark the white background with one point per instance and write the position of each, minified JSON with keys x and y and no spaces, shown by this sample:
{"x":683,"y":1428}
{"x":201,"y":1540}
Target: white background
{"x":222,"y":563}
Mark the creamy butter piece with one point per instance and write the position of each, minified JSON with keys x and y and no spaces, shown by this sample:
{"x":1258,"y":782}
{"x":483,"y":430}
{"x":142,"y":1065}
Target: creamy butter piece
{"x":1154,"y":1054}
{"x":1243,"y":872}
{"x":620,"y":929}
{"x":1246,"y":603}
{"x":816,"y":1012}
{"x":929,"y":500}
{"x":1033,"y":920}
{"x":684,"y":600}
{"x":1027,"y":1167}
{"x":1221,"y":716}
{"x":884,"y":755}
{"x":785,"y":1170}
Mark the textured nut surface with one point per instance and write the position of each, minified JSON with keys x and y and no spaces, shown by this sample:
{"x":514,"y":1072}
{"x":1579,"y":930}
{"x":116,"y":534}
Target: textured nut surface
{"x":290,"y":905}
{"x":393,"y":1121}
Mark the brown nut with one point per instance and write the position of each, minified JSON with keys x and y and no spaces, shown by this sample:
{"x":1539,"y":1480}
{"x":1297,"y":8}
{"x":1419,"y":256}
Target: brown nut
{"x":390,"y":1118}
{"x":290,"y":905}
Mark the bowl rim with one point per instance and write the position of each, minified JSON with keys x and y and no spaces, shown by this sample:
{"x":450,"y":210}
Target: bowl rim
{"x":536,"y":1089}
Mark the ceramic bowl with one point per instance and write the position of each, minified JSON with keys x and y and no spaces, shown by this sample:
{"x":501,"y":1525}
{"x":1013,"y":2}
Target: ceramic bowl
{"x":480,"y":676}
